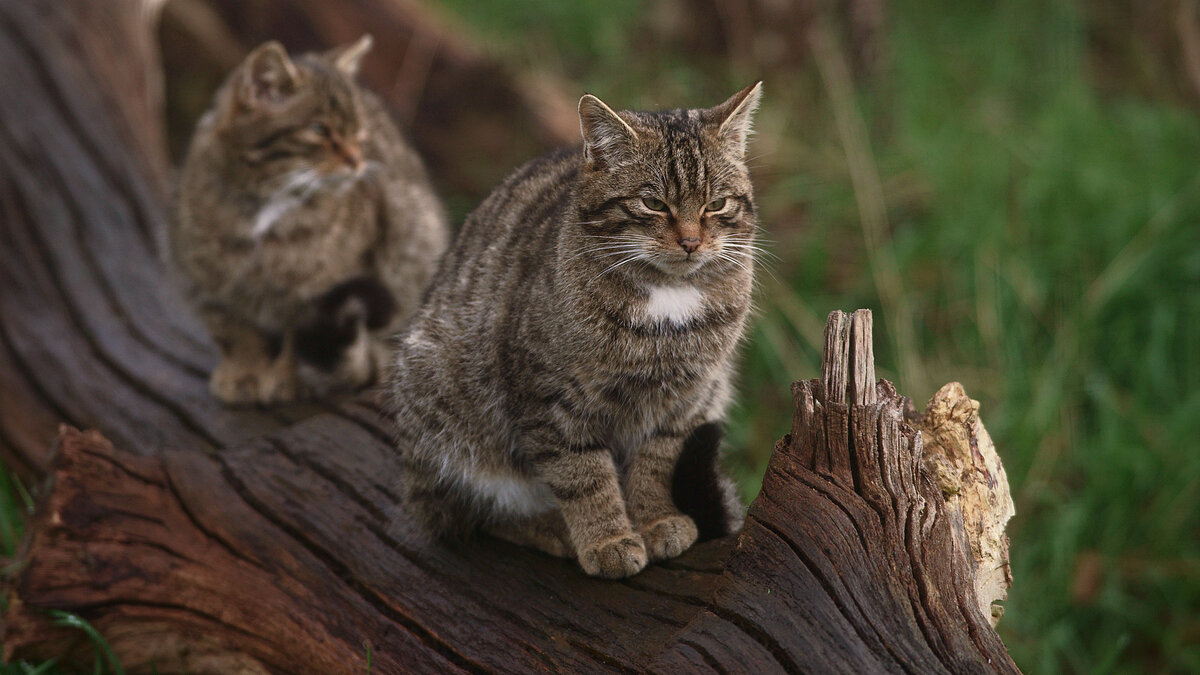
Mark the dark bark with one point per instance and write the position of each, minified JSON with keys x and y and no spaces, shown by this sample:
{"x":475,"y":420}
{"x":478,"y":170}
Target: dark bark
{"x":198,"y":538}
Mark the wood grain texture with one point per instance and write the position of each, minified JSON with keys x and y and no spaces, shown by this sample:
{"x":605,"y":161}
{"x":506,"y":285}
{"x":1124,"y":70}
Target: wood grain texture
{"x":199,"y":539}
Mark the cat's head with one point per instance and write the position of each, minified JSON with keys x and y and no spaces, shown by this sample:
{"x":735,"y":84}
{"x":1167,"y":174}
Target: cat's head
{"x":286,"y":115}
{"x":671,"y":189}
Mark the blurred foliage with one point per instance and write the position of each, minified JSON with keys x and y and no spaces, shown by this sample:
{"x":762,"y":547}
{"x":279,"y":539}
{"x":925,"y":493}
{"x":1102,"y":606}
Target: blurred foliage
{"x":1043,"y":227}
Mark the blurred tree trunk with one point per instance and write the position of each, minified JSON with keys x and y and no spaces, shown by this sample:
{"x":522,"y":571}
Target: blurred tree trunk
{"x":198,"y":538}
{"x":768,"y":36}
{"x":1150,"y":49}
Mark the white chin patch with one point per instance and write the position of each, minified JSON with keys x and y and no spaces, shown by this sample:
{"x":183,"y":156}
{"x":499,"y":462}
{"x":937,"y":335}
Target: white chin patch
{"x":678,"y":304}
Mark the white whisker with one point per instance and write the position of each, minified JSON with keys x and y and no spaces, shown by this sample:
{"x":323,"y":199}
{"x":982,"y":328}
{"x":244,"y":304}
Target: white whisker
{"x":605,"y":252}
{"x":619,"y":263}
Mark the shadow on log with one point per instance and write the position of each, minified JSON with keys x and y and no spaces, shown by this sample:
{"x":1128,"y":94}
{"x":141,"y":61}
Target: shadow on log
{"x":197,"y":538}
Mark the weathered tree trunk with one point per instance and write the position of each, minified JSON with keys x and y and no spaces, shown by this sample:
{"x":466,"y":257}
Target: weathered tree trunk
{"x":198,"y":538}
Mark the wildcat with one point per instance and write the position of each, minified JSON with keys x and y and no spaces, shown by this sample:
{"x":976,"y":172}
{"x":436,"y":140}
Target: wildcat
{"x":306,"y":228}
{"x":580,"y":335}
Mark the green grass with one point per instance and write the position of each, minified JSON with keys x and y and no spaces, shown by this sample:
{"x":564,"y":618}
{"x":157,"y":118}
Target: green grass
{"x":104,"y":662}
{"x":1041,"y":245}
{"x":16,"y":504}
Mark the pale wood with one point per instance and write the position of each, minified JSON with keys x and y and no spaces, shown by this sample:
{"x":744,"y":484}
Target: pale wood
{"x":863,"y":391}
{"x":835,"y":364}
{"x":961,"y":456}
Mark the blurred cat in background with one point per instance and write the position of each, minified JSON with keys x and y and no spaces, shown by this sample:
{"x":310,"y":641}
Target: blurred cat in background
{"x":306,"y":228}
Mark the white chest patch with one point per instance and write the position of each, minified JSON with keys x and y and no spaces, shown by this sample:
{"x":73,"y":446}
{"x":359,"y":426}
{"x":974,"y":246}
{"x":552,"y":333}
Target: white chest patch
{"x":270,"y":213}
{"x":676,"y":304}
{"x":295,"y":191}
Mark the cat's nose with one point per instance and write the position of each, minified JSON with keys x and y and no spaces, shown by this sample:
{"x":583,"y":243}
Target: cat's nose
{"x":352,"y":154}
{"x":690,"y":244}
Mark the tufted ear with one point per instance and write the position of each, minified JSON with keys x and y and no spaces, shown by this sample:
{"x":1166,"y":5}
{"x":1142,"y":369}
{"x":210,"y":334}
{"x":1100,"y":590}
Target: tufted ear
{"x":349,"y":57}
{"x":267,"y":76}
{"x":736,"y":117}
{"x":607,"y":139}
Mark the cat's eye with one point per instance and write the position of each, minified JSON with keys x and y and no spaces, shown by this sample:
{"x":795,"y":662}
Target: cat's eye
{"x":319,"y":129}
{"x":715,"y":205}
{"x":654,"y":204}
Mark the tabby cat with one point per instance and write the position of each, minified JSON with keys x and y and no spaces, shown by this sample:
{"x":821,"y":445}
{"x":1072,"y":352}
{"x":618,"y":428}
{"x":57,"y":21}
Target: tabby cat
{"x":579,"y":335}
{"x":306,"y":227}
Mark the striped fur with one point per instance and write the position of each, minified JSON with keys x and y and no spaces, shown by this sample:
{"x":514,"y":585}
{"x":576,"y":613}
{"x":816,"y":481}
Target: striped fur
{"x":570,"y":341}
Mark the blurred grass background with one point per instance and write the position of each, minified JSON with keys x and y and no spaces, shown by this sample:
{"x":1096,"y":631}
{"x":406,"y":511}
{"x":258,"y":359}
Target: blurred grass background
{"x":1014,"y":189}
{"x":1022,"y":215}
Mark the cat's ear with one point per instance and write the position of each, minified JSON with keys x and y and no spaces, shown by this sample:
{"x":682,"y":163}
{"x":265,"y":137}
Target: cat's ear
{"x":267,"y":76}
{"x":349,"y":57}
{"x":735,"y":117}
{"x":607,"y":139}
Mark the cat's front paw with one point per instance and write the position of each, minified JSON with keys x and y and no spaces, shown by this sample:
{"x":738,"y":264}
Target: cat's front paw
{"x":234,"y":384}
{"x":275,"y":387}
{"x":668,"y":537}
{"x":616,"y":558}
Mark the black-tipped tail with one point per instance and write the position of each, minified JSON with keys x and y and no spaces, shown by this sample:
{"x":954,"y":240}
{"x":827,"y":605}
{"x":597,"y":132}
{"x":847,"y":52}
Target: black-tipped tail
{"x":340,"y":313}
{"x":699,"y":488}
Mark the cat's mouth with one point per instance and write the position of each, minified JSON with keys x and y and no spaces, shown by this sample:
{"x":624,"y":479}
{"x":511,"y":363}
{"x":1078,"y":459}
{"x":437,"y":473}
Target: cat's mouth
{"x":681,"y":263}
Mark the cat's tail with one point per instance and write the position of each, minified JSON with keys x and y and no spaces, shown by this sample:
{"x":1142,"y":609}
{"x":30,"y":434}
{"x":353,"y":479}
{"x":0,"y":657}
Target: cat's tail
{"x":342,"y":313}
{"x":701,"y":490}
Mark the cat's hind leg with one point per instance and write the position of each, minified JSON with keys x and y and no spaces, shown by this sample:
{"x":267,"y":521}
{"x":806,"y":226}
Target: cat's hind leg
{"x":546,"y":532}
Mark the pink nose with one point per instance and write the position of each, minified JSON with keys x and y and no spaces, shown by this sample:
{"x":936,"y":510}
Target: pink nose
{"x":690,"y":244}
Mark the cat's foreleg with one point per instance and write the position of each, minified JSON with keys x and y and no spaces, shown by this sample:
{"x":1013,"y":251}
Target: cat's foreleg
{"x":280,"y":383}
{"x":665,"y":530}
{"x":583,"y":480}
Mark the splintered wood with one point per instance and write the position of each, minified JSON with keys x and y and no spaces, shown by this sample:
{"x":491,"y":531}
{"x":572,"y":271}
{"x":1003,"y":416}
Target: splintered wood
{"x":960,"y":455}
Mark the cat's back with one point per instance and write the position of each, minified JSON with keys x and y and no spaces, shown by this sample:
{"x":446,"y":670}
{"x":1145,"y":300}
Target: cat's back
{"x":448,"y":364}
{"x":506,"y":247}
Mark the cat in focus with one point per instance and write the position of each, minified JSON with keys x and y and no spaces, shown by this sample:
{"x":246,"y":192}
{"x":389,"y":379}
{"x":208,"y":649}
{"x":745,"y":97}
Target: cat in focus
{"x":306,"y":227}
{"x":574,"y":355}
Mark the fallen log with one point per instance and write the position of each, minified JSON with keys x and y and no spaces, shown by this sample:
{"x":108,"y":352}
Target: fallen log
{"x":276,"y":555}
{"x":198,"y":538}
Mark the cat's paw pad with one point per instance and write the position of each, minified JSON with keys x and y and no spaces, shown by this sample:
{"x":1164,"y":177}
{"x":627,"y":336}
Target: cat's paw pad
{"x":668,"y":537}
{"x":616,"y":558}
